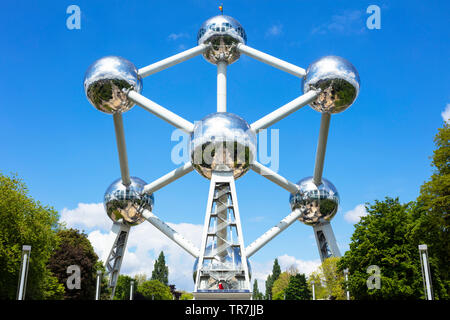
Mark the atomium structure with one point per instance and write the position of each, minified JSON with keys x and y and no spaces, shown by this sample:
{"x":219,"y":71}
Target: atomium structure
{"x":222,"y":149}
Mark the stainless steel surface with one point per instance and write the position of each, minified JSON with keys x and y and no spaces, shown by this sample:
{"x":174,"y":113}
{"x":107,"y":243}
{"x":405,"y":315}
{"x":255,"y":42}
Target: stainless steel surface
{"x":223,"y":34}
{"x":121,"y":148}
{"x":337,"y":80}
{"x":222,"y":141}
{"x":127,"y":203}
{"x":321,"y":147}
{"x":105,"y":80}
{"x":320,"y":202}
{"x":223,"y":271}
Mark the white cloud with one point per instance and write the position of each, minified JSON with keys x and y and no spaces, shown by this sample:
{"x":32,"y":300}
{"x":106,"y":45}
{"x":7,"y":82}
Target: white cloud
{"x":176,"y":36}
{"x":446,"y":113}
{"x":353,"y":216}
{"x":86,"y":216}
{"x":349,"y":22}
{"x":274,"y":30}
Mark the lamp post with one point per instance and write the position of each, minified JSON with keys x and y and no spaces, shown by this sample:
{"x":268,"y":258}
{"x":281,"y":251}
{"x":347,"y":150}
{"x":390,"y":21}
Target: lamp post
{"x":99,"y":280}
{"x":346,"y":283}
{"x":26,"y":251}
{"x":131,"y":289}
{"x":426,"y":274}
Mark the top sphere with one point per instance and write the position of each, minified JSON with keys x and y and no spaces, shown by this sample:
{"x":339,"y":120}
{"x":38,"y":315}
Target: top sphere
{"x":320,"y":202}
{"x":222,"y":141}
{"x":223,"y":34}
{"x":104,"y":81}
{"x":337,"y":80}
{"x":127,"y":203}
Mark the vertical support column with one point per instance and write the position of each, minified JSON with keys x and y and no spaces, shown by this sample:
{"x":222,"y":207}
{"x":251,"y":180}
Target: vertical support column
{"x":23,"y":274}
{"x":426,"y":274}
{"x":326,"y":241}
{"x":122,"y":149}
{"x":321,"y":148}
{"x":222,"y":86}
{"x":98,"y":285}
{"x":222,"y":269}
{"x":115,"y":257}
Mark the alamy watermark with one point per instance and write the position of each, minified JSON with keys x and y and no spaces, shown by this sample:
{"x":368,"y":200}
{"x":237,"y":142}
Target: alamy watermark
{"x":74,"y":20}
{"x":374,"y":281}
{"x":74,"y":280}
{"x":374,"y":20}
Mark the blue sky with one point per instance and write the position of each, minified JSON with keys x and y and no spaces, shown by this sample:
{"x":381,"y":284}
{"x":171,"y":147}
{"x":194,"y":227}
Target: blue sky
{"x":65,"y":150}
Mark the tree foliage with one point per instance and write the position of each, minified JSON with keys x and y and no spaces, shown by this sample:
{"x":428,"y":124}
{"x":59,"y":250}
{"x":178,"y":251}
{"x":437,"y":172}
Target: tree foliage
{"x":320,"y":290}
{"x":297,"y":288}
{"x":75,"y":249}
{"x":160,"y":270}
{"x":24,"y":221}
{"x":431,"y":215}
{"x":154,"y":290}
{"x":123,"y":287}
{"x":280,"y":285}
{"x":257,"y":295}
{"x":333,"y":278}
{"x":383,"y":238}
{"x":271,"y":278}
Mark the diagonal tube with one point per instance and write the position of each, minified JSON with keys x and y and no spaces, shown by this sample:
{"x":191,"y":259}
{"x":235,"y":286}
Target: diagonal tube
{"x":161,"y":112}
{"x":171,"y":234}
{"x":284,"y":111}
{"x":122,"y":149}
{"x":272,"y":61}
{"x":321,"y":148}
{"x":168,"y":178}
{"x":171,"y":61}
{"x":274,"y":177}
{"x":272,"y":233}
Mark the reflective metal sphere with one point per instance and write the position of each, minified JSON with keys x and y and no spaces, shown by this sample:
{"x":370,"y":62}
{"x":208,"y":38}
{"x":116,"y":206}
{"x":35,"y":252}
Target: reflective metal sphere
{"x":223,"y":33}
{"x":126,"y":203}
{"x":104,"y":81}
{"x":338,"y":81}
{"x":222,"y":141}
{"x":321,"y":202}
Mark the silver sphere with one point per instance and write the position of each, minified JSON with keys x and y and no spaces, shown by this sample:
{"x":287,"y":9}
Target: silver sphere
{"x":223,"y":34}
{"x":338,"y":81}
{"x":105,"y":80}
{"x":127,"y":203}
{"x":222,"y":141}
{"x":321,"y":202}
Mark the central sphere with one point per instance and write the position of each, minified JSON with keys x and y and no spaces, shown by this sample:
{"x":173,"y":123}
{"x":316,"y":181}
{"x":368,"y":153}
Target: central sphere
{"x":127,"y":203}
{"x":222,"y":141}
{"x":223,"y":34}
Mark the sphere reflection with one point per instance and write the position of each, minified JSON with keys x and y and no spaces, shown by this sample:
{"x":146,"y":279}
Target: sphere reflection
{"x":105,"y":80}
{"x":337,"y":80}
{"x":222,"y":141}
{"x":127,"y":203}
{"x":223,"y":34}
{"x":320,"y":202}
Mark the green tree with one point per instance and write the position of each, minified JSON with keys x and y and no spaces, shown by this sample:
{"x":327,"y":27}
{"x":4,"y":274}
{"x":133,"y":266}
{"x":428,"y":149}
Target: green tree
{"x":431,"y":215}
{"x":75,"y":249}
{"x":333,"y":278}
{"x":24,"y":221}
{"x":297,"y":288}
{"x":320,"y":290}
{"x":160,"y":270}
{"x":280,"y":285}
{"x":382,"y":238}
{"x":123,"y":287}
{"x":256,"y":294}
{"x":155,"y":290}
{"x":276,"y":271}
{"x":186,"y":295}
